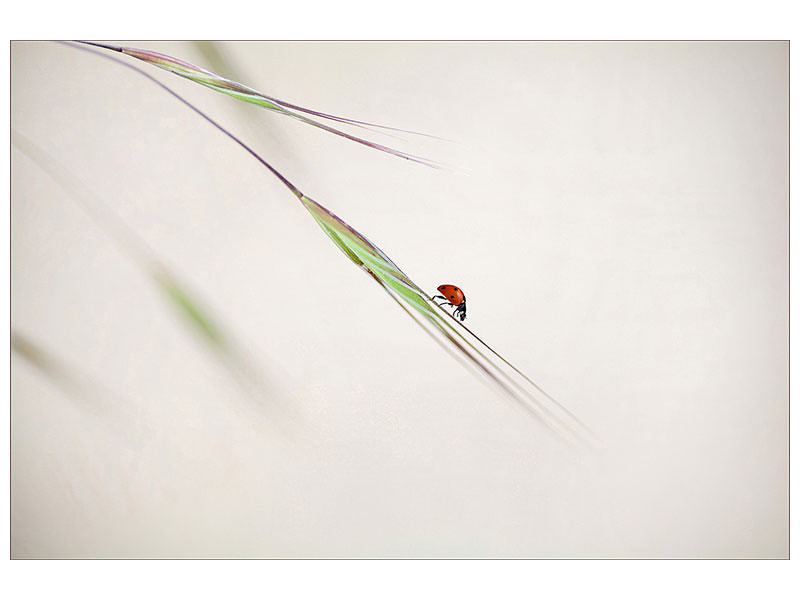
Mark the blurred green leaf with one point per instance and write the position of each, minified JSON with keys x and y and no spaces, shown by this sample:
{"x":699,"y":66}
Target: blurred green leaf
{"x":181,"y":300}
{"x":190,"y":308}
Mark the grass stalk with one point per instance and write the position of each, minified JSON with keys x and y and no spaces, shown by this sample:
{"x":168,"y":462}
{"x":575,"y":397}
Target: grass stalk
{"x":448,"y":332}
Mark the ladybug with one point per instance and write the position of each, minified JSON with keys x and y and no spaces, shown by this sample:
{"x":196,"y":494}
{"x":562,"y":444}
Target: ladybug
{"x":454,"y":297}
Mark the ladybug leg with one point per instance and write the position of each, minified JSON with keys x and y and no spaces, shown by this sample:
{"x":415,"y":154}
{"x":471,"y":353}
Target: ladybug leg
{"x":460,"y":311}
{"x":445,"y":303}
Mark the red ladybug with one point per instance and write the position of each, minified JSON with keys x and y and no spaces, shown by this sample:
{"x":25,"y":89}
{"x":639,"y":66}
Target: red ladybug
{"x":454,"y":297}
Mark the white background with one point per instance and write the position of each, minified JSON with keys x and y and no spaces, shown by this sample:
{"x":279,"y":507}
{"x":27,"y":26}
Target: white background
{"x":617,"y":214}
{"x":556,"y":578}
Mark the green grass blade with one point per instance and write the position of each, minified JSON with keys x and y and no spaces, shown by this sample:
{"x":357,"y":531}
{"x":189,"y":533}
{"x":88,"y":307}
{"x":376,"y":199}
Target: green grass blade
{"x":404,"y":291}
{"x":247,"y":94}
{"x":423,"y":308}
